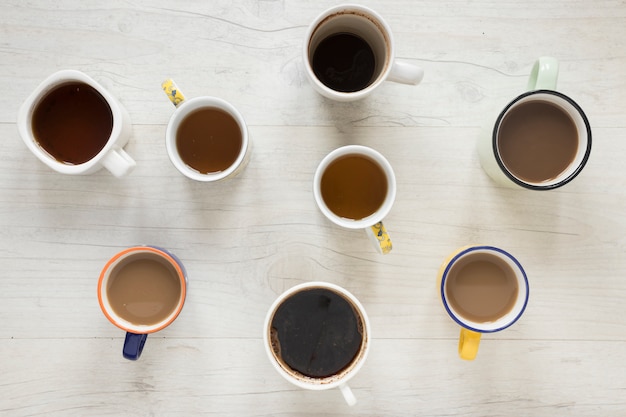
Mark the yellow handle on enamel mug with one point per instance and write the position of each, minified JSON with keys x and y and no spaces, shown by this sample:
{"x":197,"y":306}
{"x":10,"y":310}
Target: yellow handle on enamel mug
{"x":172,"y":91}
{"x":380,"y":238}
{"x":468,"y":344}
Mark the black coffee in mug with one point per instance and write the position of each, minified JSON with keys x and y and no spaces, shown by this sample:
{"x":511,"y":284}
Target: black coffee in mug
{"x":344,"y":62}
{"x":316,"y":333}
{"x":72,"y":123}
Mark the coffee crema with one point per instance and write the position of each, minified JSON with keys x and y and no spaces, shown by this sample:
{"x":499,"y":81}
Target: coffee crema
{"x":344,"y":62}
{"x":316,"y":333}
{"x":72,"y":123}
{"x":354,"y":186}
{"x":144,"y":289}
{"x":209,"y":140}
{"x":537,"y":141}
{"x":481,"y":287}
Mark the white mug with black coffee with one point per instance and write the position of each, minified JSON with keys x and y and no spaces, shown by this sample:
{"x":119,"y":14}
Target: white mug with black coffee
{"x":317,"y":336}
{"x":541,"y":140}
{"x":484,"y":289}
{"x":354,"y":187}
{"x":206,"y":137}
{"x":142,"y":290}
{"x":349,"y":52}
{"x":75,"y":126}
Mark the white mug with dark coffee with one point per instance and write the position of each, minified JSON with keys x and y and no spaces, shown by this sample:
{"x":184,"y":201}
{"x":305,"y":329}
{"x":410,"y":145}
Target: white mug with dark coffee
{"x":349,"y":52}
{"x":317,"y":336}
{"x":206,"y":137}
{"x":75,"y":126}
{"x":142,"y":290}
{"x":541,"y":140}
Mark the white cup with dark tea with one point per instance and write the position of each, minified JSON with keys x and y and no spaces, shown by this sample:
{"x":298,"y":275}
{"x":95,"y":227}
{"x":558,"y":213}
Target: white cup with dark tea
{"x":541,"y":140}
{"x":142,"y":290}
{"x":349,"y":52}
{"x":317,"y":336}
{"x":206,"y":137}
{"x":484,"y":289}
{"x":355,"y":187}
{"x":75,"y":126}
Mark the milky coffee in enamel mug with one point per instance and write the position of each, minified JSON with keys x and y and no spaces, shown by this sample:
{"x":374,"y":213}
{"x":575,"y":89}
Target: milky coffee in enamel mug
{"x":75,"y":126}
{"x":349,"y":51}
{"x":541,"y":140}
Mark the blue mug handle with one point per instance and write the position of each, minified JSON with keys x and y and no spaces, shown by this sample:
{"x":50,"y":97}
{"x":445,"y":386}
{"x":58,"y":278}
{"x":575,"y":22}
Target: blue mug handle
{"x":133,"y":345}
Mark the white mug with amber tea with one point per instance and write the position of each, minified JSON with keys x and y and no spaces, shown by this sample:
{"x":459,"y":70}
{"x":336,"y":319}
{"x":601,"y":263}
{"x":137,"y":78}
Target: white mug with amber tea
{"x":75,"y":126}
{"x":349,"y":52}
{"x":541,"y":140}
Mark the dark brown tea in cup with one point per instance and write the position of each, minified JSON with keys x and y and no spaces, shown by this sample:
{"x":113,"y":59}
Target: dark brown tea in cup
{"x":344,"y":62}
{"x":209,"y":140}
{"x":481,"y":287}
{"x":144,"y":289}
{"x":316,"y":333}
{"x":72,"y":123}
{"x":353,"y":186}
{"x":537,"y":141}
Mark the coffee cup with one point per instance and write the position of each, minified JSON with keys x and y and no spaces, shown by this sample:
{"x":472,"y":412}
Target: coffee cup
{"x":75,"y":126}
{"x":541,"y":140}
{"x":354,"y":187}
{"x":349,"y":51}
{"x":206,"y":137}
{"x":317,"y":336}
{"x":142,"y":290}
{"x":484,"y":289}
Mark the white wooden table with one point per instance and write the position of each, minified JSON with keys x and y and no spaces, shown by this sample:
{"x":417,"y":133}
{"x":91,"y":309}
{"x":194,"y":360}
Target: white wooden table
{"x":246,"y":240}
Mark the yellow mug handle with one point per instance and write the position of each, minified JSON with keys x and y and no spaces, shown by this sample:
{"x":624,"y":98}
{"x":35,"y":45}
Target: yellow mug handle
{"x":468,"y":344}
{"x":173,"y":93}
{"x":380,"y":238}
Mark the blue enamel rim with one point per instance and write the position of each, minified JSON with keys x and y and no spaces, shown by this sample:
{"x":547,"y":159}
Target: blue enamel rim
{"x":445,"y":276}
{"x":579,"y":168}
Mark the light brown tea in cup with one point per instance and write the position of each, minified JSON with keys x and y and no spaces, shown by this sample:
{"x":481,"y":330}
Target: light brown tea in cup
{"x":481,"y":287}
{"x":144,"y":289}
{"x":72,"y":123}
{"x":209,"y":140}
{"x":354,"y":186}
{"x":537,"y":141}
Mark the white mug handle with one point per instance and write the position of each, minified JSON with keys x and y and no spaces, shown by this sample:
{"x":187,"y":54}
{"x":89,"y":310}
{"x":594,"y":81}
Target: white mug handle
{"x":404,"y":73}
{"x":544,"y":74}
{"x":118,"y":162}
{"x":347,"y":394}
{"x":380,"y":238}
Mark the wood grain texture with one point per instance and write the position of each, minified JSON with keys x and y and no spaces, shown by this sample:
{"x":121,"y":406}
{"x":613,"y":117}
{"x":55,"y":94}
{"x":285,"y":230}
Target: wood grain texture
{"x":246,"y":240}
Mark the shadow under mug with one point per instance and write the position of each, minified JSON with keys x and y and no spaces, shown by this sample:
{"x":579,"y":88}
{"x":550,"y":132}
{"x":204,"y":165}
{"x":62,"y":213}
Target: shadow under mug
{"x":338,"y":379}
{"x":471,"y":328}
{"x":136,"y":331}
{"x":372,"y":223}
{"x":110,"y":156}
{"x":542,"y":90}
{"x":369,"y":26}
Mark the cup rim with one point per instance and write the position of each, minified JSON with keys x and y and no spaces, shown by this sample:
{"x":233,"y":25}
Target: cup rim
{"x":50,"y":83}
{"x":540,"y":186}
{"x":182,"y":110}
{"x":373,"y":218}
{"x":123,"y":324}
{"x":322,"y":383}
{"x":488,"y":327}
{"x":366,"y":13}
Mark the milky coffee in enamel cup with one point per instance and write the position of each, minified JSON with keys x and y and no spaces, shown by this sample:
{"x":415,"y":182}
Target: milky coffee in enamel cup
{"x":75,"y":126}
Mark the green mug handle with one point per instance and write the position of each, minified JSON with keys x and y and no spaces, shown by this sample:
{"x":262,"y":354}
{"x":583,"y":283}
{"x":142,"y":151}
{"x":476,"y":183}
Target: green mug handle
{"x":544,"y":74}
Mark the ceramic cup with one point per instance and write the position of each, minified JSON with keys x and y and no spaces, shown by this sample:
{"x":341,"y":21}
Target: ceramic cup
{"x":372,"y":223}
{"x":110,"y":155}
{"x":553,"y":154}
{"x":142,"y":290}
{"x":276,"y":351}
{"x":185,"y":108}
{"x":484,"y":289}
{"x":369,"y":26}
